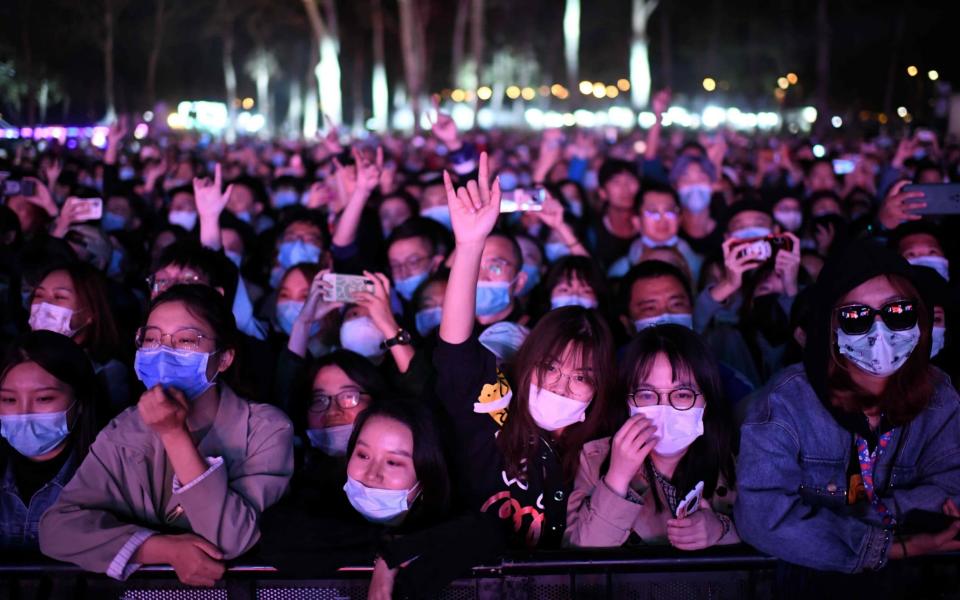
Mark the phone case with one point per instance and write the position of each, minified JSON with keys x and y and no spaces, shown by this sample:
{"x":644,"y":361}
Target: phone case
{"x":691,"y":502}
{"x":345,"y":286}
{"x":941,"y":198}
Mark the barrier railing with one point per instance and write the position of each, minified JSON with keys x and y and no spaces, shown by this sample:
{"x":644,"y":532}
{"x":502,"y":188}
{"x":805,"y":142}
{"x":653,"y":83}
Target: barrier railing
{"x":644,"y":573}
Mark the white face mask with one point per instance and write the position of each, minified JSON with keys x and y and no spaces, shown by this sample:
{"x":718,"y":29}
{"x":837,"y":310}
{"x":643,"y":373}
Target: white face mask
{"x":51,"y":317}
{"x":332,"y":441}
{"x":361,"y":336}
{"x":572,"y":300}
{"x":375,"y":504}
{"x":790,"y":219}
{"x":939,"y":339}
{"x":184,"y":218}
{"x":748,"y":233}
{"x":677,"y":429}
{"x":552,"y":411}
{"x":879,"y":351}
{"x":684,"y":319}
{"x":938,"y":263}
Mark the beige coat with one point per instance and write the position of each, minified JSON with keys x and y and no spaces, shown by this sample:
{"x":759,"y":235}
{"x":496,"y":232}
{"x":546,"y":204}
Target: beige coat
{"x":597,"y":517}
{"x":123,"y":490}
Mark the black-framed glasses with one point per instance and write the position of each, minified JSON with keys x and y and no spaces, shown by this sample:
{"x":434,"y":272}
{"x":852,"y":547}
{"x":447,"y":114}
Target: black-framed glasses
{"x":857,"y":319}
{"x":680,"y":398}
{"x":414,"y":264}
{"x":187,"y":339}
{"x":345,"y":399}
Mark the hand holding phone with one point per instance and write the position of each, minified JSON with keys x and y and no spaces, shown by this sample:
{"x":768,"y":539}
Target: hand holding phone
{"x":691,"y":502}
{"x":938,"y":198}
{"x":342,"y":287}
{"x":523,"y":200}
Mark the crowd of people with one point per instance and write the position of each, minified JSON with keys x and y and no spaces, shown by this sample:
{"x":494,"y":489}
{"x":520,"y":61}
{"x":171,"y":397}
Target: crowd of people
{"x":427,"y":351}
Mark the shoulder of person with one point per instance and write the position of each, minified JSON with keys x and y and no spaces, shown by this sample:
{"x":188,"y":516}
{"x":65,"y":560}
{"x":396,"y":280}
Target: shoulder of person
{"x":786,"y":394}
{"x":595,"y":448}
{"x":127,"y":430}
{"x":945,"y":397}
{"x":263,"y":416}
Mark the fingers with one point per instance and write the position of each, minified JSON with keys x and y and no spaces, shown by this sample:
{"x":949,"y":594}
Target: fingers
{"x":177,"y":397}
{"x":448,"y":185}
{"x":475,"y":194}
{"x":208,"y":548}
{"x":950,"y":508}
{"x":483,"y":179}
{"x":379,"y":162}
{"x":227,"y":194}
{"x":217,"y":177}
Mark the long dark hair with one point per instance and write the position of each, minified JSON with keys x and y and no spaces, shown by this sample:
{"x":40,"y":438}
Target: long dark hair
{"x":100,"y":339}
{"x":908,"y":390}
{"x":65,"y":360}
{"x":711,"y":454}
{"x":359,"y":369}
{"x":428,"y":460}
{"x":590,"y":337}
{"x":209,"y":305}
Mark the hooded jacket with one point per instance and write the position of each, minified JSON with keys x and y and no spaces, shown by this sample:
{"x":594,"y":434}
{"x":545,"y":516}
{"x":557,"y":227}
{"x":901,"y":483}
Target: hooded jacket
{"x":793,"y":472}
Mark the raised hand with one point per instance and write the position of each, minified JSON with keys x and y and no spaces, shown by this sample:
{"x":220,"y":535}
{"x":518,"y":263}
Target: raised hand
{"x":331,"y":141}
{"x":660,"y":102}
{"x":368,"y":173}
{"x":898,"y":204}
{"x":787,"y":266}
{"x":52,"y":170}
{"x":315,"y":308}
{"x":474,"y":208}
{"x":210,"y":200}
{"x":377,"y":303}
{"x":444,"y":127}
{"x":552,"y":213}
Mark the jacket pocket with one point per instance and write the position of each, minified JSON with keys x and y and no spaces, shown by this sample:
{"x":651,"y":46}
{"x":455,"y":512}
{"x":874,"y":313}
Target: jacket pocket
{"x":824,"y":482}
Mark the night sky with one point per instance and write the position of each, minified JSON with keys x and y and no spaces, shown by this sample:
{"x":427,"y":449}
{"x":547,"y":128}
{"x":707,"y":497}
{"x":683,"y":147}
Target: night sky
{"x":745,"y":43}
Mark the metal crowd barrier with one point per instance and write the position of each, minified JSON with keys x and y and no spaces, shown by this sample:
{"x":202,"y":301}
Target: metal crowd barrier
{"x":643,"y":574}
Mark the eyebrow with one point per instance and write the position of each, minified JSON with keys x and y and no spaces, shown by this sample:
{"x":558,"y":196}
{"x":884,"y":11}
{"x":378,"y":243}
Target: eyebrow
{"x":403,"y":453}
{"x":41,"y":389}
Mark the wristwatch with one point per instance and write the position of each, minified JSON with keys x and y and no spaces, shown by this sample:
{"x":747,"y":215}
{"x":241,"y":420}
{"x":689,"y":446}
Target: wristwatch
{"x":403,"y":338}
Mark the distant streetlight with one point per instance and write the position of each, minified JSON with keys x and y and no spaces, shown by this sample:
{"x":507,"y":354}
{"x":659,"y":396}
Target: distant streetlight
{"x":933,"y":75}
{"x":586,"y":87}
{"x":709,"y":84}
{"x":901,"y":111}
{"x":912,"y":71}
{"x":599,"y":90}
{"x":836,"y":121}
{"x":792,"y":78}
{"x":623,"y":85}
{"x":612,"y":91}
{"x":513,"y":92}
{"x":484,"y":93}
{"x":782,"y":83}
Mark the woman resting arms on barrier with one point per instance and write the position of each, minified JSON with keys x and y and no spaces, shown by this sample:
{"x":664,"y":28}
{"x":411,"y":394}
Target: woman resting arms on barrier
{"x":852,"y":459}
{"x":678,"y":440}
{"x":180,"y":479}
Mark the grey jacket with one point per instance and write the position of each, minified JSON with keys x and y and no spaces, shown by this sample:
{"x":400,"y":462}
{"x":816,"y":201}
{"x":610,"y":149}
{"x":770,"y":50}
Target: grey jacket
{"x":792,"y":476}
{"x":124,"y":490}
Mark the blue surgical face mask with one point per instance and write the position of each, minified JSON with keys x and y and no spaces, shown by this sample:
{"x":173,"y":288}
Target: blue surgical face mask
{"x":332,"y":441}
{"x":684,"y":319}
{"x":375,"y":504}
{"x":938,"y":341}
{"x":492,"y":297}
{"x":406,"y":287}
{"x":533,"y":278}
{"x":126,"y":173}
{"x":285,"y":198}
{"x":244,"y":215}
{"x":508,"y":181}
{"x":184,"y":218}
{"x":572,"y":300}
{"x":115,"y":268}
{"x":428,"y":320}
{"x":296,"y":252}
{"x":554,"y":251}
{"x":695,"y":197}
{"x":180,"y":369}
{"x":111,"y":222}
{"x":748,"y":233}
{"x":440,"y":214}
{"x":287,"y":313}
{"x":35,"y":434}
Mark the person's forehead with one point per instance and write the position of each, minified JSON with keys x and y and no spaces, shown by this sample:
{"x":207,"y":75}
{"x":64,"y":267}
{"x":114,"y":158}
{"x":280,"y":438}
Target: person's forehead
{"x":407,"y":246}
{"x":386,"y":434}
{"x":171,"y":316}
{"x":658,"y":199}
{"x":873,"y":292}
{"x":660,"y":287}
{"x":915,"y":240}
{"x":302,"y":227}
{"x":29,"y":376}
{"x":498,"y":247}
{"x":749,"y":216}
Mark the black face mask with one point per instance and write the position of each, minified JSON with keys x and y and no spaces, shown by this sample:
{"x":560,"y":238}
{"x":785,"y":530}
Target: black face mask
{"x":770,"y":319}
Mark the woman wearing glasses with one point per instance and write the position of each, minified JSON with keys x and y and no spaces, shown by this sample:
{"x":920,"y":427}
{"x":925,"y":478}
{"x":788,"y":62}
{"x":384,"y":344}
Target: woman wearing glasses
{"x":180,"y":479}
{"x":519,"y":439}
{"x":852,"y":459}
{"x":679,"y":435}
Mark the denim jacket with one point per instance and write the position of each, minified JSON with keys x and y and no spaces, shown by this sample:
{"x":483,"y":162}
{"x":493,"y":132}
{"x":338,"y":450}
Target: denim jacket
{"x":19,"y":523}
{"x":792,"y":476}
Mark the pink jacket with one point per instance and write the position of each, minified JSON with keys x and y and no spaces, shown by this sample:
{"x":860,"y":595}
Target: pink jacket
{"x":597,"y":517}
{"x":124,"y":491}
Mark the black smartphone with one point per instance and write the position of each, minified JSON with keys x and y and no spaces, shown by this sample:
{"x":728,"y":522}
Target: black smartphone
{"x":941,"y":198}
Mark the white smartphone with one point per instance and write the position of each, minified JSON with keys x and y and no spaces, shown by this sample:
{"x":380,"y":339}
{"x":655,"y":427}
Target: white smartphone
{"x":691,"y":503}
{"x":523,"y":200}
{"x":89,"y":209}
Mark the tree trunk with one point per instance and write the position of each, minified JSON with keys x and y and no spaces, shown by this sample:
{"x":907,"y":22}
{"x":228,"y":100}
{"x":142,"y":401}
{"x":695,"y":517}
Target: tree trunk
{"x":571,"y":41}
{"x":381,"y":91}
{"x":666,"y":48}
{"x":639,"y":54}
{"x":108,"y":91}
{"x":153,"y":59}
{"x":412,"y":56}
{"x":823,"y":66}
{"x":459,"y":41}
{"x":229,"y":78}
{"x":327,"y":69}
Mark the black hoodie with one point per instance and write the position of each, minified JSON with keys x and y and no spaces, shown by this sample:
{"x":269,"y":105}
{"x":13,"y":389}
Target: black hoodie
{"x":859,"y":262}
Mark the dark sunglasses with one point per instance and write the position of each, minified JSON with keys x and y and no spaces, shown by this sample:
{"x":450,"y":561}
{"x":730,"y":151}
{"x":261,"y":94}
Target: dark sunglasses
{"x":857,"y":319}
